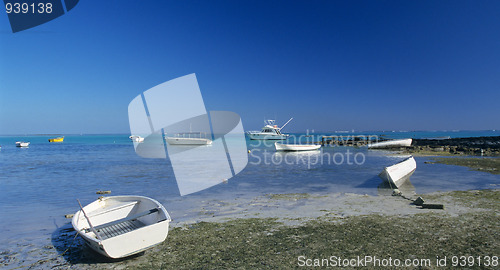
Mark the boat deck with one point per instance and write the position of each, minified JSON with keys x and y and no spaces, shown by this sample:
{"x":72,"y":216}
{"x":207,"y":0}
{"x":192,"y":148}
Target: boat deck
{"x":119,"y":228}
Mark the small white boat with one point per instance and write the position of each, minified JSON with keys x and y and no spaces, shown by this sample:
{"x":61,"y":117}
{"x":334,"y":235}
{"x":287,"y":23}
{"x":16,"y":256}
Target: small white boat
{"x":269,"y":132}
{"x":136,"y":138}
{"x":22,"y":144}
{"x":189,"y":138}
{"x":398,"y":173}
{"x":120,"y":226}
{"x":296,"y":147}
{"x":391,"y":143}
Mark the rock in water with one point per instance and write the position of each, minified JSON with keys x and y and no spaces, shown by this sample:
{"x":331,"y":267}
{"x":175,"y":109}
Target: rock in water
{"x":396,"y":192}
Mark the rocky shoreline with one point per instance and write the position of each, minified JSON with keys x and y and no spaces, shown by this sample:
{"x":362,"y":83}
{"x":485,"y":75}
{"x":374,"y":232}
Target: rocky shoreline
{"x":475,"y":146}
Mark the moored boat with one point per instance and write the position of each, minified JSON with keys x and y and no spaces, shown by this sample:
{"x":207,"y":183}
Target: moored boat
{"x":136,"y":138}
{"x":296,"y":147}
{"x":391,"y":143}
{"x":22,"y":144}
{"x":269,"y":132}
{"x":189,"y":138}
{"x":398,"y":173}
{"x":58,"y":139}
{"x":120,"y":226}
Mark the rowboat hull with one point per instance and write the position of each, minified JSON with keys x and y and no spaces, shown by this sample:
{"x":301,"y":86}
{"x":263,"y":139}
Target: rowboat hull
{"x":296,"y":147}
{"x":391,"y":143}
{"x":187,"y":141}
{"x":399,"y":173}
{"x":125,"y":225}
{"x":59,"y":139}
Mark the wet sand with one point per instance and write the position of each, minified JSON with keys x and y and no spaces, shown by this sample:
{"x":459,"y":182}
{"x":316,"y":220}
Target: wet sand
{"x":272,"y":231}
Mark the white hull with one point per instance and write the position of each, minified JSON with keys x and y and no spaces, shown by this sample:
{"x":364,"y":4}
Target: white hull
{"x":22,"y":144}
{"x":296,"y":147}
{"x":398,"y":173}
{"x":269,"y":132}
{"x":125,"y":225}
{"x":187,"y":141}
{"x":267,"y":136}
{"x":391,"y":143}
{"x":136,"y":138}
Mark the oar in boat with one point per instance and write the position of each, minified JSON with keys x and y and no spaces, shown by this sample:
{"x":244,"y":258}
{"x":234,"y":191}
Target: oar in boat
{"x":88,"y":220}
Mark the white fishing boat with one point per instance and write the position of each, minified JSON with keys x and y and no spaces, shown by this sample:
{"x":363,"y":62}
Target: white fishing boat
{"x":189,"y":138}
{"x":296,"y":147}
{"x":120,"y":226}
{"x":269,"y":132}
{"x":397,"y":174}
{"x":391,"y":143}
{"x":22,"y":144}
{"x":136,"y":138}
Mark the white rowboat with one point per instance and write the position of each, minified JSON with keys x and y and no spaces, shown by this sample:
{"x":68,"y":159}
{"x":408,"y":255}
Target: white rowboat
{"x":120,"y":226}
{"x":296,"y":147}
{"x":187,"y":141}
{"x":391,"y":143}
{"x":22,"y":144}
{"x":189,"y":138}
{"x":398,"y":173}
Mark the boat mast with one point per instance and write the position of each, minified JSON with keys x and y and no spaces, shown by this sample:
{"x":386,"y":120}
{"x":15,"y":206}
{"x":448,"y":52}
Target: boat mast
{"x":286,"y":123}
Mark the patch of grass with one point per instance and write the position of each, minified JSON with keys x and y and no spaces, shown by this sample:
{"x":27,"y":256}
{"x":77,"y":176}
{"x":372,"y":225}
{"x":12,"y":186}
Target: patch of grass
{"x":289,"y":196}
{"x":486,"y":199}
{"x":428,"y":153}
{"x":267,"y":244}
{"x":491,"y":165}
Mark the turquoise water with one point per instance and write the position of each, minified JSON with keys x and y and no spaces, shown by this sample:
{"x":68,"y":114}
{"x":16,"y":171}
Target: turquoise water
{"x":40,"y":184}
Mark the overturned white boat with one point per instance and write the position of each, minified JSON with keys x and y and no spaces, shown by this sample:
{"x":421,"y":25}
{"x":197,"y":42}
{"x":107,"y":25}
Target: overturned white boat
{"x":120,"y":226}
{"x":398,"y":173}
{"x":391,"y":143}
{"x":296,"y":147}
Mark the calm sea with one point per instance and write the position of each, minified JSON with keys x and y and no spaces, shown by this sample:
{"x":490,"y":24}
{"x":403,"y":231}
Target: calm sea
{"x":40,"y":184}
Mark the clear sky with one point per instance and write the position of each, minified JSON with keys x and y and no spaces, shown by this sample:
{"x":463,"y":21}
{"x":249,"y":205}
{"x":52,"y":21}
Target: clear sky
{"x":332,"y":65}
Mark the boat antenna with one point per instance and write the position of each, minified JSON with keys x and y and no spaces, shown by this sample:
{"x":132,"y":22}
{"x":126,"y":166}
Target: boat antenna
{"x":88,"y":220}
{"x":286,"y":123}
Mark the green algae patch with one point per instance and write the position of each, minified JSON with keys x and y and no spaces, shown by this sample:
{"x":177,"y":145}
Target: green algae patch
{"x":491,"y":165}
{"x":268,"y":244}
{"x":289,"y":196}
{"x":488,"y":199}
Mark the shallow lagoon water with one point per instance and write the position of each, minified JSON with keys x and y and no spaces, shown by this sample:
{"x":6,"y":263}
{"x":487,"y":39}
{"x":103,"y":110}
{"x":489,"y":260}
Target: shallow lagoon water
{"x":40,"y":184}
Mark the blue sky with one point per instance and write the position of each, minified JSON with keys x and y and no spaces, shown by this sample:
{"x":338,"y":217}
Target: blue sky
{"x":332,"y":65}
